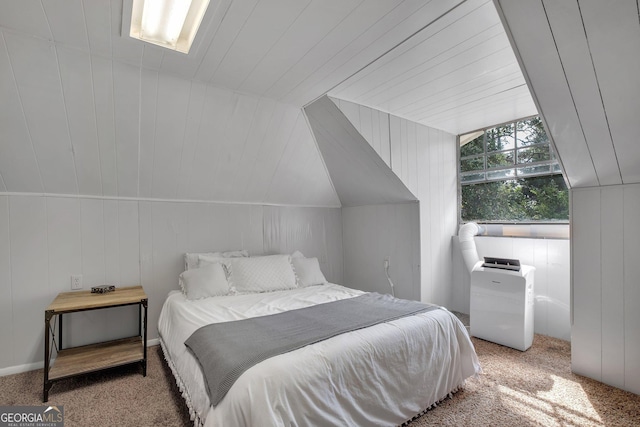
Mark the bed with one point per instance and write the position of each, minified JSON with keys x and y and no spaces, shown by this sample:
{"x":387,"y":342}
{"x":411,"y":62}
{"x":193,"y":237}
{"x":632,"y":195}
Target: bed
{"x":384,"y":374}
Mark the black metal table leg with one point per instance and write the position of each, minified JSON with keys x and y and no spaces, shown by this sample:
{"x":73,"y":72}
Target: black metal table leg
{"x":47,"y":384}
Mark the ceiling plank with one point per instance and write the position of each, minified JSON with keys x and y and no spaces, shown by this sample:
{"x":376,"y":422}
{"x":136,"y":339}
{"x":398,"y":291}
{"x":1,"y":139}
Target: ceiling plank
{"x":613,"y":34}
{"x":35,"y":66}
{"x":532,"y":37}
{"x":18,"y":162}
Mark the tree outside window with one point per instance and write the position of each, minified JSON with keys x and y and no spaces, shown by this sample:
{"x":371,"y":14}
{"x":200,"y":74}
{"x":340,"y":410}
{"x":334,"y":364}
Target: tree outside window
{"x":510,"y":173}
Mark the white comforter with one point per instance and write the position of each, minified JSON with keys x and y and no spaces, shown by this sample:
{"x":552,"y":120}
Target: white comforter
{"x":377,"y":376}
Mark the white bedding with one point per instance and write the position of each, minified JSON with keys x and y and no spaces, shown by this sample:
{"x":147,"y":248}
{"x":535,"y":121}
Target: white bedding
{"x":381,"y":375}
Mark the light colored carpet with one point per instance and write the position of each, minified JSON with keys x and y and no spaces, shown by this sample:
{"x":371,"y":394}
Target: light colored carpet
{"x":529,"y":388}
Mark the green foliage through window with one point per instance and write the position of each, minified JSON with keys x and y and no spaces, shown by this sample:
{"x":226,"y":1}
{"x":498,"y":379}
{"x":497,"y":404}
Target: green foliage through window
{"x":510,"y":173}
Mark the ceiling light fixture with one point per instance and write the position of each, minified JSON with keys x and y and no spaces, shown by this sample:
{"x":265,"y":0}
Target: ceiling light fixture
{"x":168,"y":23}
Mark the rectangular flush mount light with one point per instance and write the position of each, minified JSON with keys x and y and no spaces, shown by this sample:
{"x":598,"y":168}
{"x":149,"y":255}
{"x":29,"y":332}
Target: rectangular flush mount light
{"x":168,"y":23}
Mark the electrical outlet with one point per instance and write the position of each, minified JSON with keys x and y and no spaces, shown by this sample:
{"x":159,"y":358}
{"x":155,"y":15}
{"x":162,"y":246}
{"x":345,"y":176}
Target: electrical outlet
{"x":76,"y":281}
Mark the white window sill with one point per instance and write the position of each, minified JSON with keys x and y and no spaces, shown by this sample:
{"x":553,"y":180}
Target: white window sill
{"x":527,"y":230}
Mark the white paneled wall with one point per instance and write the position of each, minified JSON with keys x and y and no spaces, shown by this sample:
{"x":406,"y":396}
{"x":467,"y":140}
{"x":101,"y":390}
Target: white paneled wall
{"x":605,"y":336}
{"x":425,"y":160}
{"x":550,"y":257}
{"x":374,"y":233}
{"x":46,"y":239}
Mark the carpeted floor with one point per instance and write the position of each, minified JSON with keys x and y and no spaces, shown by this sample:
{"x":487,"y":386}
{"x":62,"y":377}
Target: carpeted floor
{"x":529,"y":388}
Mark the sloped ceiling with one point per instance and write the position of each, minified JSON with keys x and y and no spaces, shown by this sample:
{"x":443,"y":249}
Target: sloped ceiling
{"x":582,"y":59}
{"x":457,"y":74}
{"x":72,"y":123}
{"x":359,"y":174}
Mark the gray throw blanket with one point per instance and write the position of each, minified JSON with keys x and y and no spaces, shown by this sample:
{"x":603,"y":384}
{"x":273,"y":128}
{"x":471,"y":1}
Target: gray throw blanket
{"x":225,"y":350}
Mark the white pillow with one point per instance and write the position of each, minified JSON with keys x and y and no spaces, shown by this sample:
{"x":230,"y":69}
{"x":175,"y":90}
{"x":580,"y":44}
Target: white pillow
{"x":297,"y":254}
{"x":191,"y":259}
{"x":262,"y":274}
{"x":308,"y":272}
{"x":209,"y":281}
{"x":208,"y":259}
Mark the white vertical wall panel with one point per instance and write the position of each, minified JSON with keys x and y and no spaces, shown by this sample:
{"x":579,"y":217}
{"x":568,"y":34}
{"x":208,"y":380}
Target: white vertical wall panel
{"x":573,"y":48}
{"x":559,"y":289}
{"x":111,"y":243}
{"x":631,"y":289}
{"x":77,"y":86}
{"x":270,"y":152}
{"x":614,"y":32}
{"x":6,"y":302}
{"x":611,"y":237}
{"x":102,"y":74}
{"x":216,"y":112}
{"x":541,"y":284}
{"x":29,"y":276}
{"x":64,"y":242}
{"x":172,"y":106}
{"x":194,"y":120}
{"x":532,"y":38}
{"x":36,"y":72}
{"x":586,"y":331}
{"x":129,"y":243}
{"x":93,"y":244}
{"x":314,"y":232}
{"x":126,"y":95}
{"x":232,"y":145}
{"x":18,"y":163}
{"x":375,"y":232}
{"x":149,"y":82}
{"x":64,"y":247}
{"x":605,"y":248}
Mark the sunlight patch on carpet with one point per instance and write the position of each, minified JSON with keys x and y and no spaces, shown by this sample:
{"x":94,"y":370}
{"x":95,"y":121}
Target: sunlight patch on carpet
{"x":565,"y":400}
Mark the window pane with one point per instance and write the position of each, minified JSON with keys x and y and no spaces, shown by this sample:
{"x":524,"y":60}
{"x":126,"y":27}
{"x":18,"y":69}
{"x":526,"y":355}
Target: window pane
{"x":501,"y":138}
{"x":531,"y":132}
{"x":534,"y":170}
{"x":474,"y":177}
{"x":538,"y":198}
{"x":472,"y":147}
{"x":501,"y":174}
{"x":536,"y":153}
{"x":472,"y":164}
{"x":500,"y":159}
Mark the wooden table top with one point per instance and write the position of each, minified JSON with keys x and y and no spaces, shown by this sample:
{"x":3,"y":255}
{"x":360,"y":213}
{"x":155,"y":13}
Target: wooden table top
{"x":85,"y":300}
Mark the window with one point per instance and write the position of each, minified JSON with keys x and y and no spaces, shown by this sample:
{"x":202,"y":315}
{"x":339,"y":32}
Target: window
{"x":510,"y":173}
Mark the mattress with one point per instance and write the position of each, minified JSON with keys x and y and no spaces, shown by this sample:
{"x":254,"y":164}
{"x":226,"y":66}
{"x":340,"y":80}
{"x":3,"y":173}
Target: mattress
{"x":381,"y":375}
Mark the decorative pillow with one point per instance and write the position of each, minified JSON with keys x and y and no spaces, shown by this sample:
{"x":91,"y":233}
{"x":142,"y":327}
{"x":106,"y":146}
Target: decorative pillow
{"x":208,"y":281}
{"x":262,"y":274}
{"x":308,"y":271}
{"x":191,"y":259}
